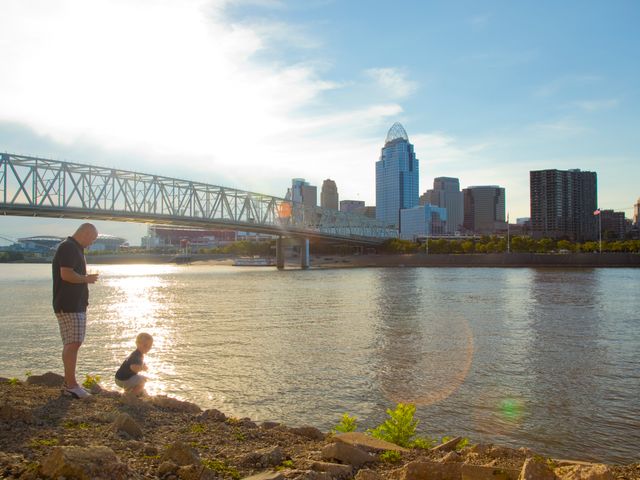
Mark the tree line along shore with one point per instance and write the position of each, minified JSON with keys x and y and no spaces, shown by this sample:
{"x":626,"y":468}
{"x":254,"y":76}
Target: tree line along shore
{"x":112,"y":436}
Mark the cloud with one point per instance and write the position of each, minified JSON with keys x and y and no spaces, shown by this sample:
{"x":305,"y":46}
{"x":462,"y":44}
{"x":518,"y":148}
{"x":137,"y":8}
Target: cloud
{"x":565,"y":82}
{"x":184,"y":90}
{"x":392,"y":81}
{"x":597,"y":105}
{"x":562,"y":127}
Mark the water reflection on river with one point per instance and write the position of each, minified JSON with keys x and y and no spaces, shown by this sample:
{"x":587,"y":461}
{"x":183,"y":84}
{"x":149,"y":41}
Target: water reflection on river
{"x":546,"y":358}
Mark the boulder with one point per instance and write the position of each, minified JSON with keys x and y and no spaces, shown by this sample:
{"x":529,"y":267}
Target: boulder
{"x":451,"y":457}
{"x":309,"y":432}
{"x":347,"y":454}
{"x":313,"y":475}
{"x":367,"y":442}
{"x":269,"y":425}
{"x":174,"y":404}
{"x":481,"y":472}
{"x":213,"y":415}
{"x":166,"y":468}
{"x":268,"y":475}
{"x":266,"y":457}
{"x":336,"y":470}
{"x":48,"y":379}
{"x":180,"y":454}
{"x":594,"y":471}
{"x":150,"y":450}
{"x":427,"y":470}
{"x":536,"y":469}
{"x":79,"y":463}
{"x":447,"y":446}
{"x":366,"y":474}
{"x":125,"y":424}
{"x":248,"y":423}
{"x":190,"y":472}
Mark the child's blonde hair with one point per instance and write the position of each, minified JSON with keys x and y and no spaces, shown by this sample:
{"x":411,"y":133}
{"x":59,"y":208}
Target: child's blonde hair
{"x":144,"y":338}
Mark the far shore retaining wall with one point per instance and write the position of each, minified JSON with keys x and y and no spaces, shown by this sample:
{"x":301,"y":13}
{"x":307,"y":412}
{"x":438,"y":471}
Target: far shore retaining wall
{"x":504,"y":260}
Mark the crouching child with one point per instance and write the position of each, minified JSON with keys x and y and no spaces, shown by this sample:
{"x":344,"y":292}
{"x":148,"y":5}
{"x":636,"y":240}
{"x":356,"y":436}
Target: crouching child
{"x":128,"y":375}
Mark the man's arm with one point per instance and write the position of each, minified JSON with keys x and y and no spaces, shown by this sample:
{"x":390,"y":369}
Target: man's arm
{"x":69,"y":275}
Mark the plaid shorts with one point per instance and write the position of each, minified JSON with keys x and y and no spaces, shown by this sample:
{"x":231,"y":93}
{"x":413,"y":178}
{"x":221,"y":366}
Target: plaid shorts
{"x":72,"y":326}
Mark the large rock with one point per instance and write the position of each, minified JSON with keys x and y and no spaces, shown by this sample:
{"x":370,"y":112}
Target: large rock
{"x":336,"y":470}
{"x":313,"y":475}
{"x":48,"y":379}
{"x":483,"y":472}
{"x":213,"y":415}
{"x":536,"y":469}
{"x":78,"y":463}
{"x":174,"y":404}
{"x":125,"y":424}
{"x":584,"y":472}
{"x":181,"y":455}
{"x":347,"y":454}
{"x":367,"y":442}
{"x":268,"y":475}
{"x":426,"y":470}
{"x":366,"y":474}
{"x":269,"y":425}
{"x":193,"y":472}
{"x":266,"y":457}
{"x":451,"y":457}
{"x":447,"y":446}
{"x":309,"y":432}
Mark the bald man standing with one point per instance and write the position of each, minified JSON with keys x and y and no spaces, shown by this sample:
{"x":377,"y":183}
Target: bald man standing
{"x":70,"y":300}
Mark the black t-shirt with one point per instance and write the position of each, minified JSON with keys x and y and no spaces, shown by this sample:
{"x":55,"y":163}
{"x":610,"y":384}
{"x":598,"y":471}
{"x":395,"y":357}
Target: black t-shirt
{"x":125,"y":372}
{"x":69,"y":297}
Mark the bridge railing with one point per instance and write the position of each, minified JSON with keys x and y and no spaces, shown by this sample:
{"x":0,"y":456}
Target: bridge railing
{"x":53,"y":188}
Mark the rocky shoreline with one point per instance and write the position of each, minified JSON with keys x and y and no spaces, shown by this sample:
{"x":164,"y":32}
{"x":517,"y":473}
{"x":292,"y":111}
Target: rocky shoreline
{"x":44,"y":434}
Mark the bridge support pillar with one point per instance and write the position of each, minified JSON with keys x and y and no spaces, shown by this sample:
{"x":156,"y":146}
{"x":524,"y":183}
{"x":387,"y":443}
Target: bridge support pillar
{"x":304,"y":253}
{"x":280,"y":253}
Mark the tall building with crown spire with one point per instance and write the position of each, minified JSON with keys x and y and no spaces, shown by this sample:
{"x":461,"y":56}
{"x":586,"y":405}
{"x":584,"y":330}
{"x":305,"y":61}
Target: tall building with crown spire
{"x":397,"y":176}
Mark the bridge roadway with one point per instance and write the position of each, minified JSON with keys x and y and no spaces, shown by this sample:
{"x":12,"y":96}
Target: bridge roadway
{"x":39,"y":187}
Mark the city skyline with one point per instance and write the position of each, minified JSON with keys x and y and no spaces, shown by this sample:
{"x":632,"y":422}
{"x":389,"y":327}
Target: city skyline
{"x":249,"y":94}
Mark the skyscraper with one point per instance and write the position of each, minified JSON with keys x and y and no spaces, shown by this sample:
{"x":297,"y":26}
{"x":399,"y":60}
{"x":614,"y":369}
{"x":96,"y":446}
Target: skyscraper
{"x":350,"y":205}
{"x":562,"y":204}
{"x":636,"y":213}
{"x":396,"y":177}
{"x":446,"y":194}
{"x":302,"y":192}
{"x":484,"y":209}
{"x":329,"y":195}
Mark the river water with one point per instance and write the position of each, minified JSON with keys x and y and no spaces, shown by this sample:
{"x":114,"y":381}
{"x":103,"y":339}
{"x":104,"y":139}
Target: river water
{"x":544,"y":358}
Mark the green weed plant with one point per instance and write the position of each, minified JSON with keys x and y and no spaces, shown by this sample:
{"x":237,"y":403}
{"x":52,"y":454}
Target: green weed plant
{"x":390,"y":456}
{"x":198,"y":428}
{"x":347,"y":424}
{"x":222,"y":468}
{"x":43,"y":442}
{"x":91,"y":381}
{"x":400,"y":427}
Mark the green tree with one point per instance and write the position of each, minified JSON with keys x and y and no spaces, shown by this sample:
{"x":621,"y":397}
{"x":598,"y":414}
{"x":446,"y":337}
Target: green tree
{"x":564,"y":245}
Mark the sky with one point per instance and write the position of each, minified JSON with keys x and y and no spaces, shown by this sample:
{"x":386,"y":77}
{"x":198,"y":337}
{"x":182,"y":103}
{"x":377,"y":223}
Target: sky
{"x":252,"y":93}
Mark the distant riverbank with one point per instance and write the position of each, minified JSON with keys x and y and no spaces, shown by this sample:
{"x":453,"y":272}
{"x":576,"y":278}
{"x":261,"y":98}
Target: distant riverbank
{"x":515,"y":260}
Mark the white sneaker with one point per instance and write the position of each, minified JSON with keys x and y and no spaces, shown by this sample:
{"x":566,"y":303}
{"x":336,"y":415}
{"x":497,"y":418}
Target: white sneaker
{"x":76,"y":392}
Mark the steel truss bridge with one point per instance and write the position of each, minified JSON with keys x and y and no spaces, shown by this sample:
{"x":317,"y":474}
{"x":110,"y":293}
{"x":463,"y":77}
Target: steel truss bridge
{"x":32,"y":186}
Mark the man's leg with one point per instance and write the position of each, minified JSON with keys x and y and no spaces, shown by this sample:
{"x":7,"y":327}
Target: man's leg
{"x":69,"y":360}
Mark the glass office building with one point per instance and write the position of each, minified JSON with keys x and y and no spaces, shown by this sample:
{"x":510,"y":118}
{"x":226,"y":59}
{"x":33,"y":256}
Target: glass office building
{"x":396,"y":177}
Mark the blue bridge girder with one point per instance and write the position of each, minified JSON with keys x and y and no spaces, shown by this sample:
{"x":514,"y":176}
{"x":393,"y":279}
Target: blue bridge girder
{"x":39,"y":187}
